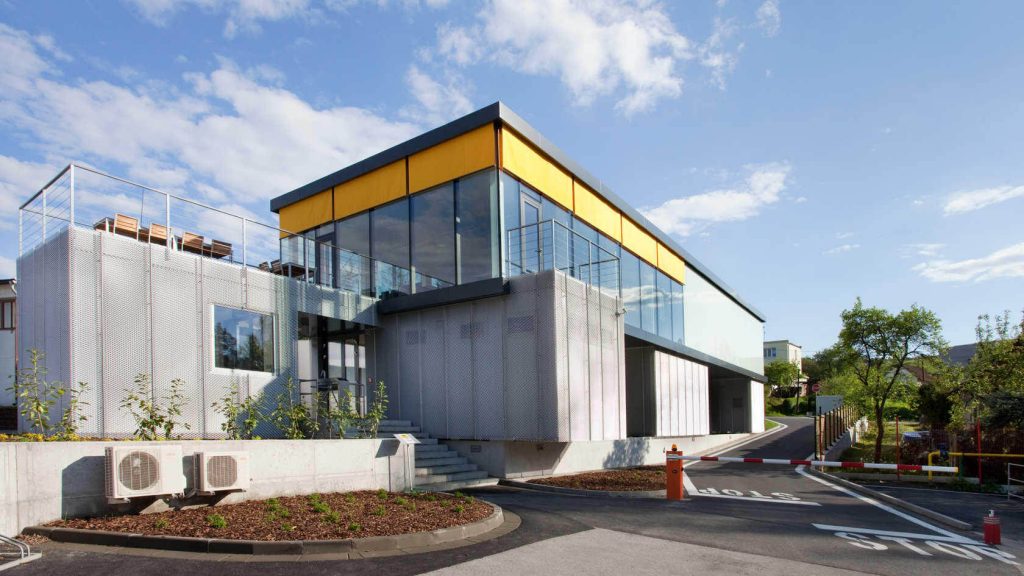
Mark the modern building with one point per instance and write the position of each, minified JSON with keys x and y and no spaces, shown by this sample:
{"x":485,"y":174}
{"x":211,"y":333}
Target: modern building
{"x":784,"y":351}
{"x":8,"y":352}
{"x":513,"y":305}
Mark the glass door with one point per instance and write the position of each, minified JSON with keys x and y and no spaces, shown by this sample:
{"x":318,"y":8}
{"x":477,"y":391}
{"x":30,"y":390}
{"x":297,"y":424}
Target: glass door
{"x":530,"y":238}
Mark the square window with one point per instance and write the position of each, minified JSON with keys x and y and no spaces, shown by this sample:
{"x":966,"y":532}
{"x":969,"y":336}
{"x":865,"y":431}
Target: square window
{"x":243,"y":340}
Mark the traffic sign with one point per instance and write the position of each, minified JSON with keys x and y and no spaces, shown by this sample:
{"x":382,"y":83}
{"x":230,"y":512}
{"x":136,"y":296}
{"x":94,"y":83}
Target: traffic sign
{"x":816,"y":387}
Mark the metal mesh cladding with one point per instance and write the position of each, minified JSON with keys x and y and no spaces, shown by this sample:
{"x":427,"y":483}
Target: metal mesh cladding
{"x":138,"y":470}
{"x":221,"y":471}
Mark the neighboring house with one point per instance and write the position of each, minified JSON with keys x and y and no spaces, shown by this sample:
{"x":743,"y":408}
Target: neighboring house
{"x":784,"y":351}
{"x":500,"y":291}
{"x":8,"y":352}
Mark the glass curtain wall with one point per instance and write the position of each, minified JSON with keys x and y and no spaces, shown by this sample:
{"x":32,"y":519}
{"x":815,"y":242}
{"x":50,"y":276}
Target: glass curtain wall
{"x":389,"y":247}
{"x":477,"y":227}
{"x":352,"y":235}
{"x":433,"y":237}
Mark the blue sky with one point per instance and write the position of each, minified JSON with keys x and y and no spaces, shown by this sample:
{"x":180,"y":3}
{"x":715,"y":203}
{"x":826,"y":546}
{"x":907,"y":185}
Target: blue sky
{"x":807,"y":152}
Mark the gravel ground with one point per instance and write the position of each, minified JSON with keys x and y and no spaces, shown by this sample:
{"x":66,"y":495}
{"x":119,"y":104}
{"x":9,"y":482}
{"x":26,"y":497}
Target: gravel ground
{"x":314,"y":517}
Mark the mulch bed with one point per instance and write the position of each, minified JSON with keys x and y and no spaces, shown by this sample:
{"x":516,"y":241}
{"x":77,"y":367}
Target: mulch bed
{"x":644,"y":478}
{"x":315,"y":517}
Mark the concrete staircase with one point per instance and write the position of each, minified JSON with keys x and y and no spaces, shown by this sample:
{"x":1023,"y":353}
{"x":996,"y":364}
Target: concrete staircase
{"x":438,"y":467}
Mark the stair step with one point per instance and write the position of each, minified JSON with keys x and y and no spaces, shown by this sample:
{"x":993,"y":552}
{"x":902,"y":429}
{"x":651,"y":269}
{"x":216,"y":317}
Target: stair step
{"x":422,"y":449}
{"x":457,"y":485}
{"x":397,"y":429}
{"x":453,"y":477}
{"x":396,"y":423}
{"x":445,"y":469}
{"x":443,"y":459}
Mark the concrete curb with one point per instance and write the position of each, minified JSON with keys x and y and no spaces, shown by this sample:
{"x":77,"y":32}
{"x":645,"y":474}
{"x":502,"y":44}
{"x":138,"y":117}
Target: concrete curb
{"x":920,"y":510}
{"x":416,"y":542}
{"x":583,"y":492}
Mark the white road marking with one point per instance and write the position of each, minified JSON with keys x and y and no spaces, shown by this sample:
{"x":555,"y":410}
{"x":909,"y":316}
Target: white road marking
{"x":962,"y":548}
{"x":876,"y":503}
{"x":889,"y":533}
{"x":692,"y":490}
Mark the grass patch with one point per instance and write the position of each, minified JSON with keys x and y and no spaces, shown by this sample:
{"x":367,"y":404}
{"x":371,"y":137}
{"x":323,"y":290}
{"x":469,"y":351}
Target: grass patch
{"x":864,"y":449}
{"x":769,"y":424}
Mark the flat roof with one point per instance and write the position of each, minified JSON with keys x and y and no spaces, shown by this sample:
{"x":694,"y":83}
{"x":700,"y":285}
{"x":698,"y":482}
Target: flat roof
{"x":496,"y":112}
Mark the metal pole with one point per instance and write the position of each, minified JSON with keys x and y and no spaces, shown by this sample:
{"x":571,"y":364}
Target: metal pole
{"x":167,"y":221}
{"x":898,"y":448}
{"x":245,"y":258}
{"x":44,"y":213}
{"x":977,"y":425}
{"x":72,"y":191}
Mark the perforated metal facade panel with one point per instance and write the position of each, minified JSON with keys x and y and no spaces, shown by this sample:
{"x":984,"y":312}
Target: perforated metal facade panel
{"x":117,"y":308}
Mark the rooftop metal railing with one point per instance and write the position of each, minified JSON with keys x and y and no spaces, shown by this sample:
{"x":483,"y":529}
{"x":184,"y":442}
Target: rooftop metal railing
{"x":86,"y":197}
{"x":551,"y":245}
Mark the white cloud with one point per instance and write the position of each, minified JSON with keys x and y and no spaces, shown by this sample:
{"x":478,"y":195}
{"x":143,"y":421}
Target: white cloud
{"x":800,"y":199}
{"x":595,"y":48}
{"x":769,"y":18}
{"x":843,"y":235}
{"x":228,"y":129}
{"x":690,"y":214}
{"x":926,"y":250}
{"x":842,"y":248}
{"x":717,"y":55}
{"x":1004,"y":263}
{"x":18,"y":181}
{"x":438,"y":103}
{"x":977,"y":199}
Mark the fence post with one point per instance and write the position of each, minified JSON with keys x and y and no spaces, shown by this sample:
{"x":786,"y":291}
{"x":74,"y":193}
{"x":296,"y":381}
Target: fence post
{"x":898,"y":448}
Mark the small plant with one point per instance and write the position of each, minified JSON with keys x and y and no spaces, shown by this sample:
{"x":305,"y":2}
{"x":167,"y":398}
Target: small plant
{"x":460,"y":495}
{"x":411,"y":506}
{"x":458,"y":509}
{"x":161,"y":523}
{"x":382,"y":494}
{"x":314,"y":498}
{"x":287,"y":527}
{"x":216,"y":521}
{"x":71,"y":417}
{"x":35,"y":396}
{"x":320,"y":507}
{"x":354,"y":527}
{"x":291,"y":416}
{"x":150,"y":417}
{"x":380,"y":511}
{"x":241,"y":418}
{"x":333,"y":517}
{"x":431,"y":497}
{"x":401,"y":501}
{"x":350,"y":498}
{"x":367,"y":425}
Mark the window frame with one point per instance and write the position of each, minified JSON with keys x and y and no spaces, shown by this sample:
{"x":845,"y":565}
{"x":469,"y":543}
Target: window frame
{"x":275,"y":354}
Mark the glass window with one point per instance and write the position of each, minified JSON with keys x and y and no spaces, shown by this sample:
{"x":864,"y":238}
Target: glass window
{"x":664,"y":289}
{"x":7,"y":312}
{"x":243,"y":339}
{"x":677,"y":312}
{"x":325,"y":255}
{"x":648,"y":299}
{"x":477,"y":227}
{"x":630,"y":266}
{"x":389,"y":239}
{"x":433,"y":237}
{"x":510,"y":197}
{"x":353,"y":233}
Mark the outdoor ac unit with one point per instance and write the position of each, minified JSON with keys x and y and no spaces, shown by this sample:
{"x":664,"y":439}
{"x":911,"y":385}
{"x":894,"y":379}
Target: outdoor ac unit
{"x":221,"y":471}
{"x":134,"y":471}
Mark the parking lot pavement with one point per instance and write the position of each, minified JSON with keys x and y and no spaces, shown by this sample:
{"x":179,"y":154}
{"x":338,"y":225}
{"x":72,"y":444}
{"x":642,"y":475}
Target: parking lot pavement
{"x":965,"y":506}
{"x":738,"y":516}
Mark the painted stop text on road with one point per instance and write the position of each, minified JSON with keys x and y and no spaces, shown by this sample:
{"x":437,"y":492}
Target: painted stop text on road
{"x":923,"y":545}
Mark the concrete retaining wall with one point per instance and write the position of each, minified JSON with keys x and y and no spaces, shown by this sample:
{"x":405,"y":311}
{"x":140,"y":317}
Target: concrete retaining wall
{"x":45,"y":481}
{"x":848,"y":439}
{"x":505,"y":459}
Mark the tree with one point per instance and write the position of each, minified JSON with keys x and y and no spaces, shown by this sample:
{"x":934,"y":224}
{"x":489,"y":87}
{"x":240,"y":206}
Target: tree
{"x":781,"y":374}
{"x":879,"y":344}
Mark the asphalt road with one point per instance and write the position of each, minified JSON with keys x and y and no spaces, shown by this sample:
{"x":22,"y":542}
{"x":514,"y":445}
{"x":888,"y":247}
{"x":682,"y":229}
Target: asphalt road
{"x":740,"y":519}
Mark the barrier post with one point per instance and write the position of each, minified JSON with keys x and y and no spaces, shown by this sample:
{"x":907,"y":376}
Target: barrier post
{"x":673,"y":475}
{"x":898,"y":442}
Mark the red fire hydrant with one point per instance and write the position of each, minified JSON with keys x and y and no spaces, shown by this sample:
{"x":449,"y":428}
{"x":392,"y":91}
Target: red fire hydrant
{"x":673,"y":475}
{"x":992,"y":529}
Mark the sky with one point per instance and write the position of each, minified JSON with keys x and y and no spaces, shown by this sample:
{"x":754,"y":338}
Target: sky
{"x":808,"y":153}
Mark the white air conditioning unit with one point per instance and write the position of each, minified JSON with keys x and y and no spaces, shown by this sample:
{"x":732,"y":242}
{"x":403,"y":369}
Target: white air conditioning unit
{"x":222,"y":471}
{"x":134,"y":471}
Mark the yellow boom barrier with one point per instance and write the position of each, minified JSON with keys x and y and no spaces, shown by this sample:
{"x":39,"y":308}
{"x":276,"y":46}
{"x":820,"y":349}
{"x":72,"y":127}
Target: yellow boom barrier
{"x":976,"y":454}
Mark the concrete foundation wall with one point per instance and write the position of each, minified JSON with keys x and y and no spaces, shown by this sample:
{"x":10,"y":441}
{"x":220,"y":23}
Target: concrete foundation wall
{"x":544,"y":363}
{"x":104,"y":308}
{"x":45,"y":481}
{"x":528,"y":459}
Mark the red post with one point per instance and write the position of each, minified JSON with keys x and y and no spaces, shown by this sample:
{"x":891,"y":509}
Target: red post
{"x":898,"y":448}
{"x":993,"y":536}
{"x":674,"y":475}
{"x":977,"y":424}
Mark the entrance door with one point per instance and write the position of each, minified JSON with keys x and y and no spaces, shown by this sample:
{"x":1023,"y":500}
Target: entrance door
{"x":531,"y":242}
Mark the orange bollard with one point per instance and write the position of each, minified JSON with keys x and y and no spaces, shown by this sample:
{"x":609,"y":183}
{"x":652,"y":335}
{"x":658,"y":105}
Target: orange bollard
{"x":674,"y":475}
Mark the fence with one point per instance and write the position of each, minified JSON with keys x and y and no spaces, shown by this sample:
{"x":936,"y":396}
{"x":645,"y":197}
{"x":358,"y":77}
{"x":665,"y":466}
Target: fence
{"x":830,"y":426}
{"x":86,"y":197}
{"x":1014,"y":476}
{"x":551,"y":245}
{"x":981,"y":453}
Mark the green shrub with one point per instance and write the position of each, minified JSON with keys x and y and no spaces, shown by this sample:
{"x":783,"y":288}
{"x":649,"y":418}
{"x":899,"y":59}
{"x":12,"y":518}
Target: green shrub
{"x":382,"y":494}
{"x":161,"y":523}
{"x":150,"y":416}
{"x":350,"y":498}
{"x":332,"y":517}
{"x":354,"y":527}
{"x":216,"y":521}
{"x":380,"y":511}
{"x":241,"y":418}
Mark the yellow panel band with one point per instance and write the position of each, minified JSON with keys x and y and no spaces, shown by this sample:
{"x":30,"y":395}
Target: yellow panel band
{"x":381,"y":186}
{"x":639,"y":242}
{"x":524,"y":161}
{"x":307,"y":213}
{"x":671,"y":264}
{"x":593,"y":210}
{"x":465,"y":154}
